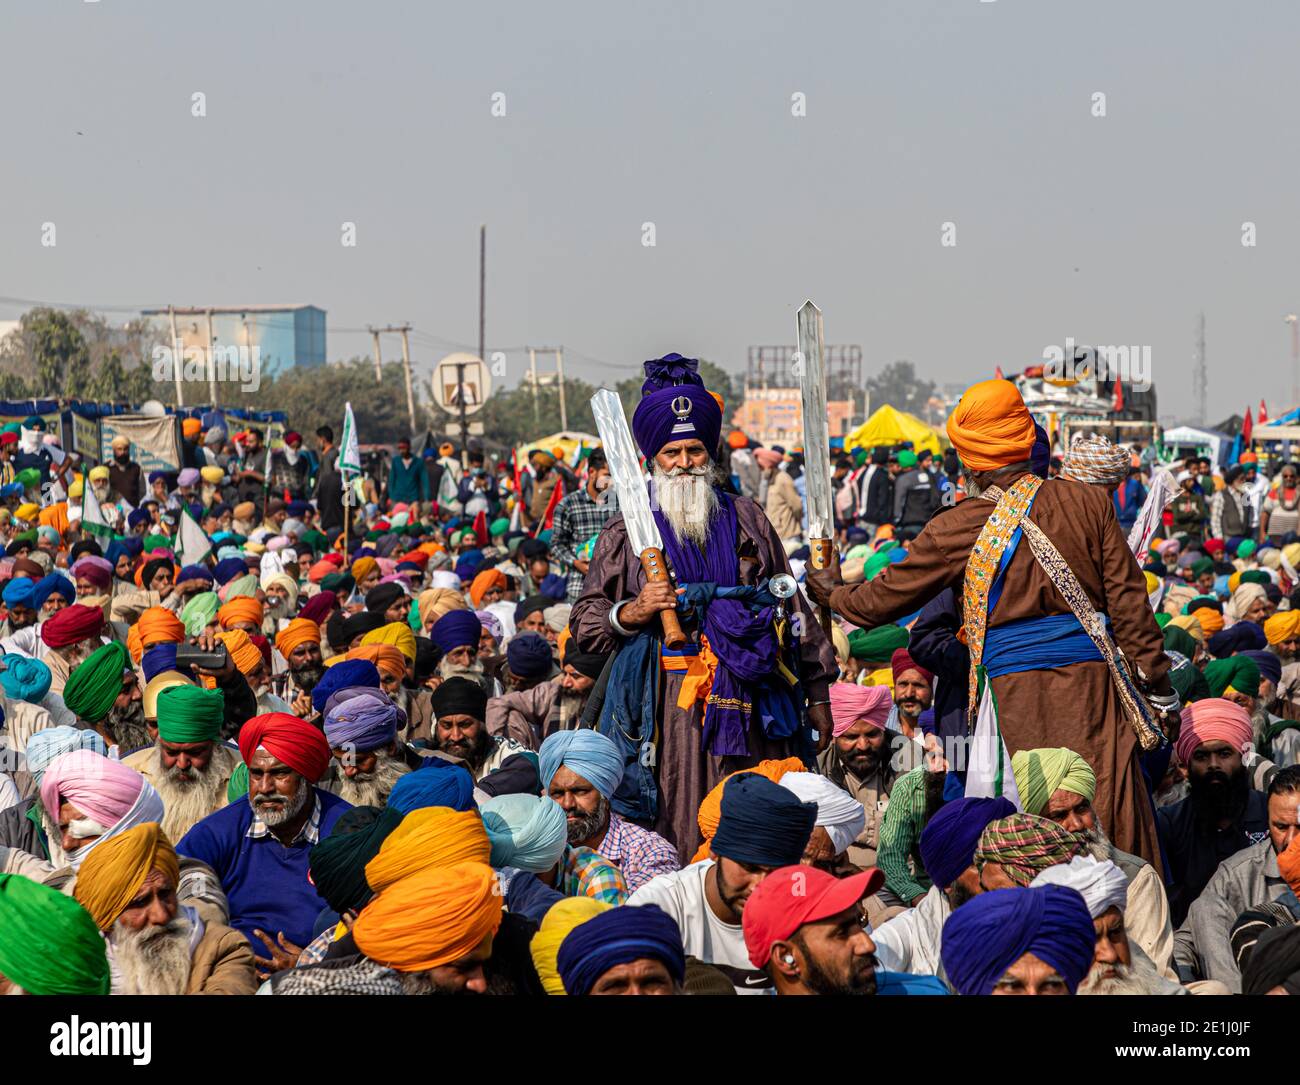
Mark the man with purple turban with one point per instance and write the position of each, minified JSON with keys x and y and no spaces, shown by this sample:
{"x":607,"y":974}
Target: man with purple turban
{"x":456,"y":635}
{"x":742,"y":689}
{"x":361,"y":726}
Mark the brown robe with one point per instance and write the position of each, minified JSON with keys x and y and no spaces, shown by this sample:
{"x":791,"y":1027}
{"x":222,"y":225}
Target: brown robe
{"x":1074,"y":706}
{"x":685,"y":772}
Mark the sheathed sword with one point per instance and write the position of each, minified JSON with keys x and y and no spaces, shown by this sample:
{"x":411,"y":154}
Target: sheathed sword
{"x":633,"y":500}
{"x":816,"y":442}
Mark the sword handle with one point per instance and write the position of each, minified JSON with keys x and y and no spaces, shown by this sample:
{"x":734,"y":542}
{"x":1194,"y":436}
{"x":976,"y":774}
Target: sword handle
{"x":820,"y":551}
{"x":652,"y":562}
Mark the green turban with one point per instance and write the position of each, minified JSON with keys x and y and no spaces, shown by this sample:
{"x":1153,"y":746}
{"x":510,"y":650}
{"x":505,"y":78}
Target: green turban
{"x":156,"y":542}
{"x":200,"y":612}
{"x":312,"y":540}
{"x":338,"y":582}
{"x":1039,"y":773}
{"x":190,"y":714}
{"x":1178,"y":639}
{"x":907,"y":458}
{"x":1246,"y":547}
{"x":242,"y":585}
{"x":28,"y":537}
{"x":49,"y":944}
{"x":878,"y":645}
{"x":238,"y":786}
{"x":512,"y":547}
{"x":876,"y":564}
{"x":1239,"y":673}
{"x":1202,"y":566}
{"x":11,"y":427}
{"x":29,"y":477}
{"x":499,"y":526}
{"x":338,"y":863}
{"x":1163,"y":619}
{"x":859,"y":457}
{"x":1188,"y":682}
{"x":96,"y":682}
{"x":1256,"y":576}
{"x":858,"y":550}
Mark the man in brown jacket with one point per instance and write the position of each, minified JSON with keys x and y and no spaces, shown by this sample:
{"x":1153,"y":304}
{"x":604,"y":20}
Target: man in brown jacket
{"x":780,"y":499}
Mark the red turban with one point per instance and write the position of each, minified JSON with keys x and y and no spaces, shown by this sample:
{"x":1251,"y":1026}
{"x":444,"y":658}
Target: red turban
{"x":1212,"y":719}
{"x":902,"y":661}
{"x":289,"y":739}
{"x":318,"y":608}
{"x":72,"y":625}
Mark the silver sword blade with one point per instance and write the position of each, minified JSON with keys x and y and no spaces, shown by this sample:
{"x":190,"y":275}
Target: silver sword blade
{"x":816,"y":422}
{"x":625,"y":470}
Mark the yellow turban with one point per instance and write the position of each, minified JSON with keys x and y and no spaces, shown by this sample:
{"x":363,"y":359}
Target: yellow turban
{"x":711,"y":808}
{"x":296,"y":633}
{"x":113,"y":872}
{"x":77,"y":487}
{"x":435,"y":917}
{"x":159,"y":682}
{"x":243,"y":608}
{"x":560,"y":919}
{"x":1292,"y":554}
{"x":1284,"y":625}
{"x":398,"y":634}
{"x":212,"y":475}
{"x":385,"y":657}
{"x":245,"y":510}
{"x":27,"y":511}
{"x":1234,"y":581}
{"x":99,"y":474}
{"x":991,"y":427}
{"x":362,"y":568}
{"x":1153,"y":582}
{"x":158,"y":625}
{"x":432,"y":836}
{"x":243,"y":652}
{"x":1192,"y":624}
{"x":1041,"y":772}
{"x":882,"y":677}
{"x":1211,"y":620}
{"x":436,"y":602}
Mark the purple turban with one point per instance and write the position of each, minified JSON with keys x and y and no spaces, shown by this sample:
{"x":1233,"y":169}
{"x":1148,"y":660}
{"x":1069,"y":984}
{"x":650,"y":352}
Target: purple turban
{"x":456,"y":629}
{"x":195,"y":572}
{"x":351,"y":672}
{"x":1040,"y":456}
{"x":188,"y":477}
{"x":1270,"y":666}
{"x":987,"y":935}
{"x":675,"y":406}
{"x":95,"y":569}
{"x":229,"y":568}
{"x":949,"y":838}
{"x":361,"y":717}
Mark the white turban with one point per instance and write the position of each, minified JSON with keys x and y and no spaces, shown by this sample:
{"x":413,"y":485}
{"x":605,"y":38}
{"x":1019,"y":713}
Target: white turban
{"x":838,"y":812}
{"x":1100,"y":882}
{"x":445,"y":578}
{"x":557,"y":617}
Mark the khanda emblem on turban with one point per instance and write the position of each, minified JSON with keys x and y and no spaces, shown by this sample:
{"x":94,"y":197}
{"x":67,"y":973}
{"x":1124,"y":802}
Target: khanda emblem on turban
{"x":682,"y":406}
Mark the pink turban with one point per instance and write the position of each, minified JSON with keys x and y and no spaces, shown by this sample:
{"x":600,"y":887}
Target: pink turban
{"x":850,"y":703}
{"x":766,"y":458}
{"x":95,"y":569}
{"x":1213,"y":719}
{"x":101,"y":789}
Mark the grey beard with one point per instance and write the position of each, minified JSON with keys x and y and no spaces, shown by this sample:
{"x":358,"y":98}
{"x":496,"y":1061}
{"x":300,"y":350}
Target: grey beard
{"x":186,"y":801}
{"x":273,"y":816}
{"x":1098,"y":843}
{"x":587,"y":826}
{"x":1259,"y":720}
{"x":153,"y":960}
{"x":306,"y":677}
{"x":372,"y":788}
{"x":688,"y":499}
{"x":474,"y":672}
{"x":127,"y":725}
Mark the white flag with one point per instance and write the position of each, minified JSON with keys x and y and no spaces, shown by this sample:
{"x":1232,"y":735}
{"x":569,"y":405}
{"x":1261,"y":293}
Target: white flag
{"x":192,"y":542}
{"x":988,"y":767}
{"x":1162,"y":493}
{"x":92,"y":515}
{"x":349,"y":450}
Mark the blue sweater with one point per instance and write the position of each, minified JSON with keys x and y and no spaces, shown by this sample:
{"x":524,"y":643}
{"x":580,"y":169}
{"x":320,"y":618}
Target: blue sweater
{"x":407,"y":482}
{"x":265,"y":882}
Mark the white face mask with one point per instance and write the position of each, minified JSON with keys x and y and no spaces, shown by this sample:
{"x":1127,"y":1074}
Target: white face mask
{"x":604,"y":482}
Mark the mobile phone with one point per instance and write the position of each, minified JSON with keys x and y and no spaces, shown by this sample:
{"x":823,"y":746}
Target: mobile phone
{"x":191,"y":655}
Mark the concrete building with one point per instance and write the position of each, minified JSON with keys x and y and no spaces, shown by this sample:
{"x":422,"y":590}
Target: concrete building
{"x":285,"y":336}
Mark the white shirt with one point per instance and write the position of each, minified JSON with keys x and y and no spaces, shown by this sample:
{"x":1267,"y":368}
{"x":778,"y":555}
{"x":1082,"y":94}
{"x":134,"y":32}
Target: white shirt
{"x":704,"y":935}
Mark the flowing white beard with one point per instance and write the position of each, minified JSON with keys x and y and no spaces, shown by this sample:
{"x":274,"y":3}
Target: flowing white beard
{"x":186,"y":804}
{"x":448,"y":669}
{"x":1259,"y":720}
{"x":100,"y":490}
{"x":291,"y":455}
{"x":688,"y":500}
{"x":374,"y":789}
{"x":54,"y":840}
{"x":153,"y":960}
{"x":1138,"y":978}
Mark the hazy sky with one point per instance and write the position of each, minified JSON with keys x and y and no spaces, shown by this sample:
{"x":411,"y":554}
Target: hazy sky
{"x":919,"y":112}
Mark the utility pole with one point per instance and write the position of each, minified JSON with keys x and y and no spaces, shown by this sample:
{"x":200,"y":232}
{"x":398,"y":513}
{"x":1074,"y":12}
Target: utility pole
{"x":212,"y":363}
{"x":559,"y":372}
{"x":482,"y":336}
{"x":532,"y":380}
{"x":379,"y":373}
{"x":1200,"y":375}
{"x":1294,"y":321}
{"x":405,"y":329}
{"x":177,"y":362}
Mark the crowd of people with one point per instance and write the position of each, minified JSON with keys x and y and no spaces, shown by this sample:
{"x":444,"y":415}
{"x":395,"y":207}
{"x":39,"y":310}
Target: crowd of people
{"x":1027,"y":732}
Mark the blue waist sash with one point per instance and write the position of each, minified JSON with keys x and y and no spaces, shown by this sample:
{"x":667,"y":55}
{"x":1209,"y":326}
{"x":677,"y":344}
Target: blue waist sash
{"x":1038,"y":644}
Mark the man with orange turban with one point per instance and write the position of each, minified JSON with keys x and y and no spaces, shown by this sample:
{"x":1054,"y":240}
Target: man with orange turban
{"x":299,"y":643}
{"x":243,"y":612}
{"x":259,"y":847}
{"x":158,"y":946}
{"x":158,"y":625}
{"x":1029,"y":564}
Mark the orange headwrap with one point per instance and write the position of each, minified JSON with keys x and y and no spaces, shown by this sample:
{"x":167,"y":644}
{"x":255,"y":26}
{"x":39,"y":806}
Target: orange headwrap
{"x":385,"y":657}
{"x":115,"y":869}
{"x":297,"y":632}
{"x":243,"y":652}
{"x":435,"y":917}
{"x":158,"y":625}
{"x":133,"y":644}
{"x":485,"y":582}
{"x":242,"y":608}
{"x":191,"y":428}
{"x":1288,"y":864}
{"x":55,"y":516}
{"x":1211,"y":620}
{"x":320,"y":571}
{"x":736,"y":439}
{"x":363,"y":567}
{"x":991,"y":427}
{"x":432,"y":836}
{"x":711,"y":808}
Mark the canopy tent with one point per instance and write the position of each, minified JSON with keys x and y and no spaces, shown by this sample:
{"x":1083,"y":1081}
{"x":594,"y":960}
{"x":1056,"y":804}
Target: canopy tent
{"x":572,"y":443}
{"x":890,"y":426}
{"x":1217,"y":442}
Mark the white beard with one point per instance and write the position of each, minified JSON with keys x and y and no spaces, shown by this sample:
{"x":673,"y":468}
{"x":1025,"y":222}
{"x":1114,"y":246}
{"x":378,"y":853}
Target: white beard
{"x":1138,"y":978}
{"x":100,"y":490}
{"x":154,"y":960}
{"x":186,"y":804}
{"x":688,"y":500}
{"x":375,"y":788}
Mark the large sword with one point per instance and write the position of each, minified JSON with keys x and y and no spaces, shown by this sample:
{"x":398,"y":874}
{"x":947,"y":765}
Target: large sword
{"x":633,"y":501}
{"x":816,"y":442}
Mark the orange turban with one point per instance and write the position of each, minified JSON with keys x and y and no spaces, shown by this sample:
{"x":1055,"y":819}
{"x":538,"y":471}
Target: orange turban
{"x":388,"y":659}
{"x":991,"y":427}
{"x":1288,"y":864}
{"x":1284,"y":625}
{"x":320,"y":571}
{"x":242,"y":608}
{"x":485,"y":582}
{"x":55,"y":516}
{"x":117,"y":866}
{"x":243,"y":652}
{"x":191,"y":428}
{"x":736,"y":439}
{"x":711,"y":808}
{"x":287,"y":738}
{"x":435,"y":917}
{"x":1211,"y":620}
{"x":297,"y":632}
{"x":158,"y":625}
{"x":432,"y":836}
{"x":133,"y":644}
{"x":363,"y":567}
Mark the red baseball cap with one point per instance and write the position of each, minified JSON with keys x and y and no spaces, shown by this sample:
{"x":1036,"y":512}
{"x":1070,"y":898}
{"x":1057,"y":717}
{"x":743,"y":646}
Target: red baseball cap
{"x":794,"y":895}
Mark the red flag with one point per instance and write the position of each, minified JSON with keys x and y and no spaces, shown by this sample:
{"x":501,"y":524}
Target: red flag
{"x":481,"y":527}
{"x":997,"y":373}
{"x":1119,"y":395}
{"x":1246,"y":428}
{"x":1263,"y":413}
{"x":549,"y":515}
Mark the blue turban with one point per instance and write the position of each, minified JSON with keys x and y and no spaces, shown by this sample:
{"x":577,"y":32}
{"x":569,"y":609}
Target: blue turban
{"x":675,"y":406}
{"x":437,"y":782}
{"x":553,"y":586}
{"x":19,"y":593}
{"x":48,"y":585}
{"x":528,"y":655}
{"x":592,"y":756}
{"x":1040,"y":456}
{"x":1270,"y":667}
{"x":136,"y":517}
{"x":456,"y":629}
{"x":949,"y":838}
{"x":987,"y":935}
{"x":229,"y":568}
{"x":528,"y":832}
{"x":115,"y":551}
{"x":44,"y":746}
{"x":158,"y":658}
{"x":856,"y":535}
{"x":297,"y":508}
{"x":132,"y":546}
{"x":761,"y":823}
{"x":1239,"y":637}
{"x":365,"y":720}
{"x":24,"y":678}
{"x":467,"y":564}
{"x":195,"y":572}
{"x":351,"y":672}
{"x":12,"y":489}
{"x":619,"y":936}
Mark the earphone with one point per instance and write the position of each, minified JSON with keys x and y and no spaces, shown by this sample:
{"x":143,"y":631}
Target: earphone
{"x":788,"y":958}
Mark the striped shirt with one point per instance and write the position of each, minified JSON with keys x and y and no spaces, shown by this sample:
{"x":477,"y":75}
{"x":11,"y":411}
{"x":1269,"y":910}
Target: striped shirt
{"x":900,"y":832}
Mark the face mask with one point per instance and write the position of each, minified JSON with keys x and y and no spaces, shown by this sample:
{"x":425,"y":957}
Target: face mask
{"x":604,"y":482}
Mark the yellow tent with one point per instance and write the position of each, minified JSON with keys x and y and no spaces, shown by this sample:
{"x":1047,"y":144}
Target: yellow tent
{"x":572,"y":443}
{"x":890,"y":426}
